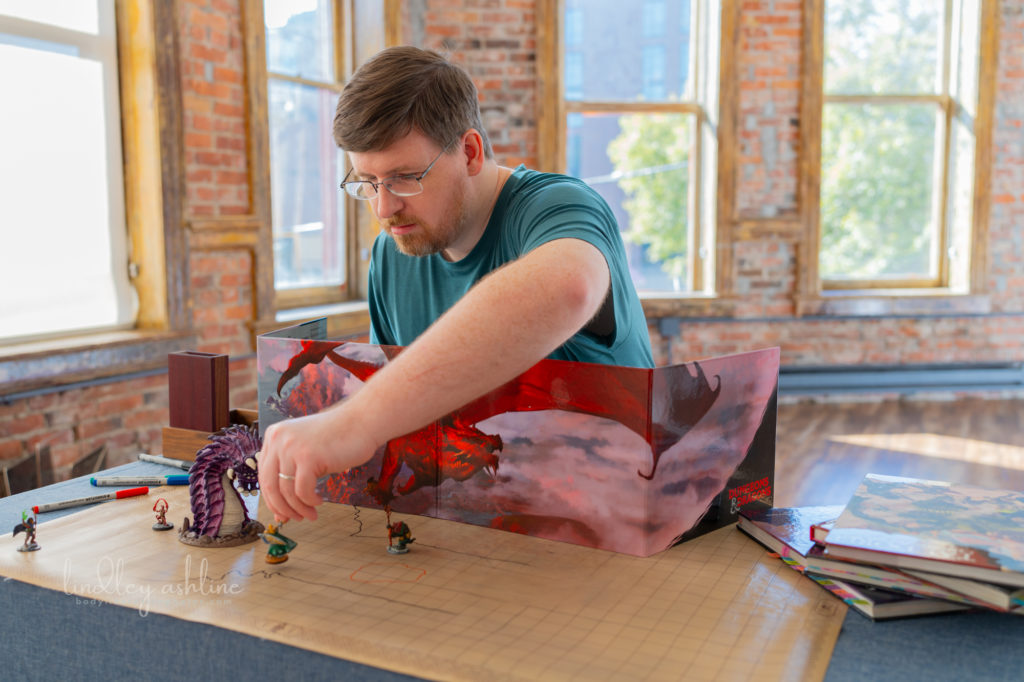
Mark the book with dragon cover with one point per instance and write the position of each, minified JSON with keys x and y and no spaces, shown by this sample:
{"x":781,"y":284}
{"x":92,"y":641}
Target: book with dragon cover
{"x":627,"y":459}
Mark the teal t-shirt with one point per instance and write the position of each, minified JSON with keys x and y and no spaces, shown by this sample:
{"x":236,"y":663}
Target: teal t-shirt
{"x":407,"y":293}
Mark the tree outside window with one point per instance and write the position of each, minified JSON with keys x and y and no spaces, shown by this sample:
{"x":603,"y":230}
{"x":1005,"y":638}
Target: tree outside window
{"x":897,"y":148}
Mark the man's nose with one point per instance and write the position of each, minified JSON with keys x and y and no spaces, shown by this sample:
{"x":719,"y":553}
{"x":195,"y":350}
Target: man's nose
{"x":387,"y":204}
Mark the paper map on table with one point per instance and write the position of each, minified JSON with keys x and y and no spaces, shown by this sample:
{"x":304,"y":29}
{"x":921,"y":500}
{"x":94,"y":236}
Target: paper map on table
{"x":466,"y":603}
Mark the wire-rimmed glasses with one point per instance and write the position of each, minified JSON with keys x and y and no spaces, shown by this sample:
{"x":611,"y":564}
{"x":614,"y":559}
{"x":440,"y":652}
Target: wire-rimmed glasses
{"x":399,"y":185}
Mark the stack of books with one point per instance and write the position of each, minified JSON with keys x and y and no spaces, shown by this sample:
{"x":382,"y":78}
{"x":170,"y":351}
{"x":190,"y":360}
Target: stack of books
{"x":906,"y":547}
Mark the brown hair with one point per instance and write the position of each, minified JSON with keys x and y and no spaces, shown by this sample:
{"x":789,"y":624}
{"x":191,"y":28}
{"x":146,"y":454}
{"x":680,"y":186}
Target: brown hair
{"x":405,"y":88}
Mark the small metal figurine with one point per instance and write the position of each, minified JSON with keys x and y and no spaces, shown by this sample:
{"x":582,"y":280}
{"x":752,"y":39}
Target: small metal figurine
{"x":28,"y":524}
{"x":160,"y":507}
{"x":279,"y":545}
{"x":399,"y":537}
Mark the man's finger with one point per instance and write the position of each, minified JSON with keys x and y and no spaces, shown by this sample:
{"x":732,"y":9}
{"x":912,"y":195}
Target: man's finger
{"x":296,"y":506}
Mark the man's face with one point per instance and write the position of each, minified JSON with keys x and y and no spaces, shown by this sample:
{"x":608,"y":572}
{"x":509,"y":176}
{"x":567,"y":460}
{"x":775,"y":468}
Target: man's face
{"x":428,"y":222}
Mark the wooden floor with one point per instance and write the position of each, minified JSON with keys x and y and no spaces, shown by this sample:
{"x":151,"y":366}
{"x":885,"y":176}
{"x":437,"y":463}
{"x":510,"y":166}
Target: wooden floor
{"x":824,"y":449}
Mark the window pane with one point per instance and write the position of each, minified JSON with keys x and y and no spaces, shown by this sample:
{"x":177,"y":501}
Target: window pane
{"x":308,"y":206}
{"x":654,"y":72}
{"x":609,"y":60}
{"x":300,"y":38}
{"x":882,"y":46}
{"x":653,"y":18}
{"x":639,"y":164}
{"x":63,"y":262}
{"x":75,"y":15}
{"x":877,"y":196}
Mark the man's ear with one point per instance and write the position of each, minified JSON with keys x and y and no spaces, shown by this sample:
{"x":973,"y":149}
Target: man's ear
{"x":473,"y":151}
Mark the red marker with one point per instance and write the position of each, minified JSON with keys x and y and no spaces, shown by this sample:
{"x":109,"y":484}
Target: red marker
{"x":116,"y":495}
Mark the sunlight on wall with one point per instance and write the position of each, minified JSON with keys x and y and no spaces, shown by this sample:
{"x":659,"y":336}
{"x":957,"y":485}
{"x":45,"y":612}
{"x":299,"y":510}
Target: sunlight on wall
{"x":942,"y":447}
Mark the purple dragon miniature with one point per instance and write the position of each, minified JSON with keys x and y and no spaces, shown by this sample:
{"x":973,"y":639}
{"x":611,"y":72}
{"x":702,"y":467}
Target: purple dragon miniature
{"x":224,"y":470}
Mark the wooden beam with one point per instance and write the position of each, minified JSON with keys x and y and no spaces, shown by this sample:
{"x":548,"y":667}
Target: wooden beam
{"x":809,"y":197}
{"x":170,"y":112}
{"x":253,"y":32}
{"x":140,"y":134}
{"x":550,"y":104}
{"x":983,"y":121}
{"x":728,"y":149}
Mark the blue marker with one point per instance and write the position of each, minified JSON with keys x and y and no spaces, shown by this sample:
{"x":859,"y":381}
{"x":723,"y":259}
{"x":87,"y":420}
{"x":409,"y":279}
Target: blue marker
{"x":178,"y":479}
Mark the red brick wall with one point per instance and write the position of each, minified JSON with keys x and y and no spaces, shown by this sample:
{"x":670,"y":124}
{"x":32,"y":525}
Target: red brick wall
{"x":769,"y":111}
{"x":1006,"y":233}
{"x":126,"y":416}
{"x":221,"y":285}
{"x":496,"y":42}
{"x":213,"y":99}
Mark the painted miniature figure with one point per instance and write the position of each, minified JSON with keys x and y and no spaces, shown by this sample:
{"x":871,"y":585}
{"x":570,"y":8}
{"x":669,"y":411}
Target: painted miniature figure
{"x":224,"y":471}
{"x":399,"y":538}
{"x":279,"y":544}
{"x":160,"y":507}
{"x":28,"y":524}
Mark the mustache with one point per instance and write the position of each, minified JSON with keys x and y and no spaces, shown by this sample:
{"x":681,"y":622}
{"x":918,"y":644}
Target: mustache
{"x":398,"y":219}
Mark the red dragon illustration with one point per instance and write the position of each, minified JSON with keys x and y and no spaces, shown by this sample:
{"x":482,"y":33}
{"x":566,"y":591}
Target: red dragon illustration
{"x":454,"y":448}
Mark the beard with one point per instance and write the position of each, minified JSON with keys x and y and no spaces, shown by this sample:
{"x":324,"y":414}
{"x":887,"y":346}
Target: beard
{"x":428,"y":239}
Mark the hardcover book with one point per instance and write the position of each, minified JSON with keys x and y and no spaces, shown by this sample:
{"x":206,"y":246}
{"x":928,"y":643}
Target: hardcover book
{"x":944,"y":528}
{"x":881,"y":604}
{"x":786,"y":531}
{"x":999,"y":596}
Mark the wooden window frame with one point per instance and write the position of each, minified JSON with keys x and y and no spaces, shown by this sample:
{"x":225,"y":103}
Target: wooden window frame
{"x":863,"y":297}
{"x":343,"y":57}
{"x":374,"y":24}
{"x":711,"y":277}
{"x":151,"y":106}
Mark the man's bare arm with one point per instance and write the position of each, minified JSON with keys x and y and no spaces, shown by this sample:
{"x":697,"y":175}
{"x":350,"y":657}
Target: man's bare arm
{"x":509,"y":321}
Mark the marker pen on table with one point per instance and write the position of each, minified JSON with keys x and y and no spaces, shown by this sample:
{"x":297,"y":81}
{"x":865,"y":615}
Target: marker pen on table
{"x":81,"y":501}
{"x":177,"y":479}
{"x":169,"y":461}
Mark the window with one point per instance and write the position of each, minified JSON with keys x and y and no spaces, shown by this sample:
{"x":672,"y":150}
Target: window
{"x":305,"y":68}
{"x":654,"y":72}
{"x":64,"y":257}
{"x":899,"y":127}
{"x":653,"y":18}
{"x":636,"y":125}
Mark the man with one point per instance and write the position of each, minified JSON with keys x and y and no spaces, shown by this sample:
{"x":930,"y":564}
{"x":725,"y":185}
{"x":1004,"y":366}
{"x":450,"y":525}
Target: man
{"x":481,"y":271}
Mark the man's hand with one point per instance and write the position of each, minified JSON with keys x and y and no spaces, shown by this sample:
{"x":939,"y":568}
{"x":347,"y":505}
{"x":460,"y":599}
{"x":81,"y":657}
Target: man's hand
{"x":297,"y":452}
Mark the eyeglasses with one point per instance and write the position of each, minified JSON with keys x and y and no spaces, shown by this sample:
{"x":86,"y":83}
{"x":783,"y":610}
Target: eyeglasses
{"x":399,"y":185}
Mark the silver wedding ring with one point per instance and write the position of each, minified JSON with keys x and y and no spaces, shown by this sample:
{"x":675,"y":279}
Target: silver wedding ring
{"x":286,"y":477}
